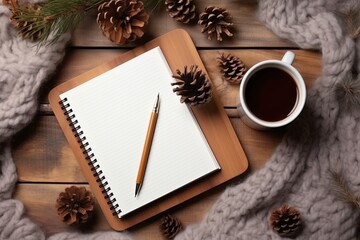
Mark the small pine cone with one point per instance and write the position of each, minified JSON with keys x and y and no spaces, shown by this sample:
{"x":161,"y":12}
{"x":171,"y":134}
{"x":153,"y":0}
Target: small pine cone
{"x":169,"y":226}
{"x":75,"y":205}
{"x":122,"y":21}
{"x":29,"y":28}
{"x":181,"y":10}
{"x":231,"y":68}
{"x":286,"y":221}
{"x":216,"y":21}
{"x":193,"y":86}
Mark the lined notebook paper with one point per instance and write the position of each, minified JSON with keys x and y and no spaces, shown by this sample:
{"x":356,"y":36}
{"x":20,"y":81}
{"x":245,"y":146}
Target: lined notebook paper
{"x":111,"y":114}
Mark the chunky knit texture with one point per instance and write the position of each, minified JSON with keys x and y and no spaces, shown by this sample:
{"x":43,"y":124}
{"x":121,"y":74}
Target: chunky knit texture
{"x":325,"y":136}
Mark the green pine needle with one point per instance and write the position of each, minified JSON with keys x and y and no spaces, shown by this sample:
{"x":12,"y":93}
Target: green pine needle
{"x":342,"y":190}
{"x":54,"y":18}
{"x":153,"y":5}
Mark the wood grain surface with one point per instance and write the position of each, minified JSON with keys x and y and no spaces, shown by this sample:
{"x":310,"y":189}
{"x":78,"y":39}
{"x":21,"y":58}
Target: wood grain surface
{"x":46,"y":164}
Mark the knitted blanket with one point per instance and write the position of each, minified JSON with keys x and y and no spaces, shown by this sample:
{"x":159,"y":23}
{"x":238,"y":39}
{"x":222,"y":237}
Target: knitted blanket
{"x":325,"y":137}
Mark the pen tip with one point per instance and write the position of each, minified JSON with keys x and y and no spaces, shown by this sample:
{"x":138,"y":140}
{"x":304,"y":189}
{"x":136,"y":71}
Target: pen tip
{"x":137,"y":189}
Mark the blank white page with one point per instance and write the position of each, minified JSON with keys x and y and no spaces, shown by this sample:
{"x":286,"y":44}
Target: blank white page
{"x":113,"y":110}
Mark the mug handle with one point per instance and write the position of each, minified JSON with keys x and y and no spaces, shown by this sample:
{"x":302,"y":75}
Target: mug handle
{"x":288,"y":57}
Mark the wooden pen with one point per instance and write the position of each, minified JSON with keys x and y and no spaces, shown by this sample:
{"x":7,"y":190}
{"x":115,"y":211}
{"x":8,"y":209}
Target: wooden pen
{"x":147,"y":145}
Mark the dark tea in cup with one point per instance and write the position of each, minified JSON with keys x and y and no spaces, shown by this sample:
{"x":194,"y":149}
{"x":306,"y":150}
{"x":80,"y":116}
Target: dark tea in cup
{"x":271,"y":94}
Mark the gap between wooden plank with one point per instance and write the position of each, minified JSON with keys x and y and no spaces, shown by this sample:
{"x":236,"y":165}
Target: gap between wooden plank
{"x":45,"y":109}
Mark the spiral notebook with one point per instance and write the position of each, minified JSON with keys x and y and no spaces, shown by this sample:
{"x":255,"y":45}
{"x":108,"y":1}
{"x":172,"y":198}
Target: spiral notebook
{"x":110,"y":113}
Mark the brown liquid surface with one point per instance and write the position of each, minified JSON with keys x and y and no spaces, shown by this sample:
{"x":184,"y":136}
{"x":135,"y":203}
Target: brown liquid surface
{"x":271,"y":94}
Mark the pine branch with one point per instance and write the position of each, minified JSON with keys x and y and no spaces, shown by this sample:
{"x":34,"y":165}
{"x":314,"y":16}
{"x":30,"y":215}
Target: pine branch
{"x":342,"y":190}
{"x":46,"y":23}
{"x":350,"y":16}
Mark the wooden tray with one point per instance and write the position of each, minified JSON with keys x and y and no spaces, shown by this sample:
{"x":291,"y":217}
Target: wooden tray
{"x":179,"y":51}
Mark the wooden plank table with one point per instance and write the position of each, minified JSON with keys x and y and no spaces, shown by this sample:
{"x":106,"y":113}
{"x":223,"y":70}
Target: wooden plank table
{"x":45,"y":163}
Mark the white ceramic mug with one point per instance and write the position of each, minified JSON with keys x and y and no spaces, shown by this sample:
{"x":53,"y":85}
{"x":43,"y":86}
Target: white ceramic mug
{"x":253,"y":120}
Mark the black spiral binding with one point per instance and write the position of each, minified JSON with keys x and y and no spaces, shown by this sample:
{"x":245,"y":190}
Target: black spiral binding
{"x":89,"y":156}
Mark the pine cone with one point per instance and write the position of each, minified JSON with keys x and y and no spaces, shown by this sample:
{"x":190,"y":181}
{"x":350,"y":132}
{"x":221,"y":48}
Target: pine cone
{"x":75,"y":205}
{"x":216,"y":21}
{"x":231,"y":68}
{"x":286,"y":221}
{"x":26,"y":27}
{"x":181,"y":10}
{"x":122,"y":21}
{"x":169,"y":226}
{"x":193,"y":86}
